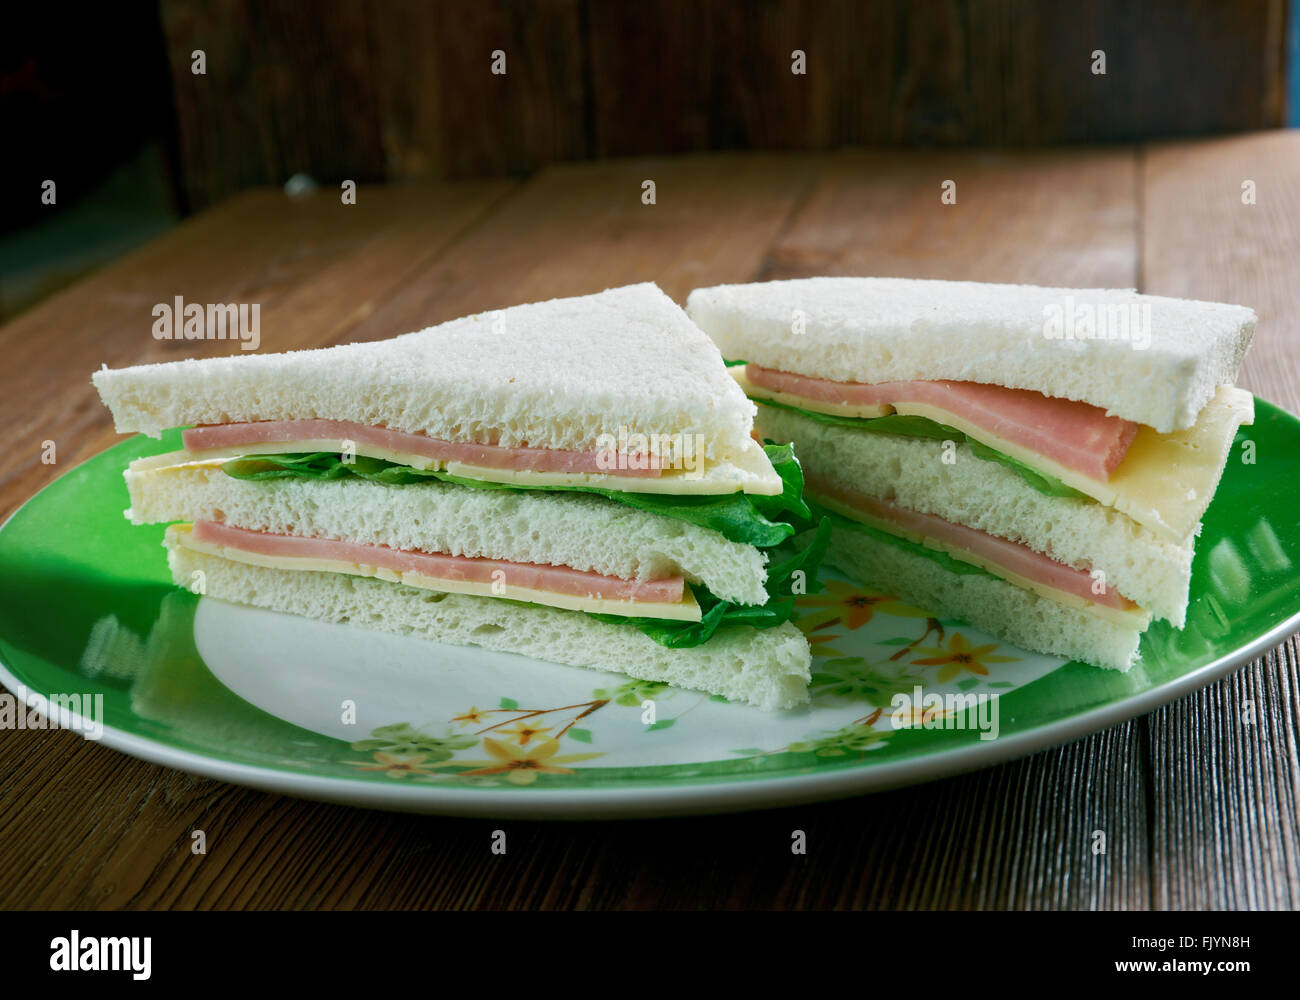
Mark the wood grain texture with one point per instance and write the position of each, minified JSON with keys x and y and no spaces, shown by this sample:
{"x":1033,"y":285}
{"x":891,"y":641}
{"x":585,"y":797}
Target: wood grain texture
{"x":116,"y":832}
{"x":283,"y":90}
{"x":1201,"y":241}
{"x":1226,"y":761}
{"x":1225,"y":804}
{"x":1197,"y":808}
{"x":341,"y":90}
{"x":942,"y":72}
{"x":345,"y":91}
{"x":578,"y":229}
{"x":1047,"y":217}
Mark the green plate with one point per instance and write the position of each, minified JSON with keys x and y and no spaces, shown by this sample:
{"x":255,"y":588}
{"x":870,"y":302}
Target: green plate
{"x":92,"y":629}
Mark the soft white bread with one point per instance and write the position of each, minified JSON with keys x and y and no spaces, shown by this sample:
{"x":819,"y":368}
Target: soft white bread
{"x":557,"y":374}
{"x":911,"y":472}
{"x":549,"y":528}
{"x":898,"y":329}
{"x":765,"y":668}
{"x":990,"y":605}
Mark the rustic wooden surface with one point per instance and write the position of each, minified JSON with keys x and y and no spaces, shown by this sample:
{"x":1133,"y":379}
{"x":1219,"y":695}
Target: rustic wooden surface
{"x":404,"y":89}
{"x":1199,"y":811}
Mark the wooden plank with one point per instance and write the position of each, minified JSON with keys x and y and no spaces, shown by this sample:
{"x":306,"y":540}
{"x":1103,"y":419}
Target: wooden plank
{"x":442,"y":110}
{"x":529,"y":116}
{"x":674,"y":76}
{"x":1200,"y":241}
{"x":1015,"y":835}
{"x":578,"y":229}
{"x":1018,"y":835}
{"x":1226,"y":827}
{"x":340,"y":90}
{"x":1237,"y":53}
{"x":1226,"y":791}
{"x":286,"y":88}
{"x":1057,"y":217}
{"x":314,"y":265}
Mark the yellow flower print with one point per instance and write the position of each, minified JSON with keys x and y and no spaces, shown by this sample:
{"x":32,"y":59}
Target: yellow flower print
{"x":520,"y":765}
{"x":851,"y":605}
{"x":525,"y":732}
{"x":396,"y":765}
{"x":472,"y":717}
{"x":915,"y":716}
{"x":961,"y":655}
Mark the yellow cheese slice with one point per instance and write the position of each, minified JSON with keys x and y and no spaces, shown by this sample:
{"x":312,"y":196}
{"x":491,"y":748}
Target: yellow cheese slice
{"x":1135,"y":618}
{"x":1165,"y":481}
{"x":862,"y":410}
{"x":685,"y":610}
{"x":747,"y":472}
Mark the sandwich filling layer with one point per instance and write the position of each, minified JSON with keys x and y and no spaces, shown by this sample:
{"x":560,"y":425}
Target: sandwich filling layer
{"x":686,"y":472}
{"x":555,"y":586}
{"x":1072,"y":434}
{"x":1164,"y":482}
{"x":1011,"y":561}
{"x":419,"y":446}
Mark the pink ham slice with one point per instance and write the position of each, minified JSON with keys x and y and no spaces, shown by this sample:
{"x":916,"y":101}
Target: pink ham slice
{"x":493,"y":456}
{"x":1077,"y":435}
{"x":440,"y":566}
{"x":1013,"y":556}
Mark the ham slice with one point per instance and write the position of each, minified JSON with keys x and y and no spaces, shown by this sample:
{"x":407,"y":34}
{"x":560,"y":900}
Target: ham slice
{"x":441,"y":566}
{"x":1077,"y":435}
{"x":1011,"y":556}
{"x":270,"y":432}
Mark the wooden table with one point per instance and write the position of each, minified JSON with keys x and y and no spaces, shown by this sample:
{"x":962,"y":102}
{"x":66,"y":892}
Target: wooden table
{"x":1199,"y":811}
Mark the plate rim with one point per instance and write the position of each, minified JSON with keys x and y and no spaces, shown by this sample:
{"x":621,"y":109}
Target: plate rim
{"x":663,"y":798}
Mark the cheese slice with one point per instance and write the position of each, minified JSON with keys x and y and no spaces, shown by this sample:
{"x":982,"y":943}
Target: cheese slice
{"x":685,"y":610}
{"x":1165,"y":481}
{"x":859,"y":410}
{"x":748,"y":472}
{"x":1134,"y":618}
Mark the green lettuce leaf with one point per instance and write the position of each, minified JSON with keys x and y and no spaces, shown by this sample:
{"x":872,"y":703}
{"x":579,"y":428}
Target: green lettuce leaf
{"x":717,"y":613}
{"x":751,"y":520}
{"x":948,"y":562}
{"x":1043,"y":483}
{"x":893,"y":423}
{"x":914,"y":426}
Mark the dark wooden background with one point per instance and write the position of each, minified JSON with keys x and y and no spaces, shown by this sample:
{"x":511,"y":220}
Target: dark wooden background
{"x":402,"y":88}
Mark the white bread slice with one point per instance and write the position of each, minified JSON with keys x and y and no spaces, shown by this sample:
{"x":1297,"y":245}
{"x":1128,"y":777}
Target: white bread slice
{"x":1141,"y":565}
{"x":989,"y":604}
{"x":561,"y":529}
{"x":901,"y":329}
{"x":556,"y":374}
{"x":765,"y":668}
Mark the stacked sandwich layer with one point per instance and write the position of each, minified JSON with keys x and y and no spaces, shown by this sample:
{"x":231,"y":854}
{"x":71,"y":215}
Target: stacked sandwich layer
{"x":1044,"y":482}
{"x":573,"y":480}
